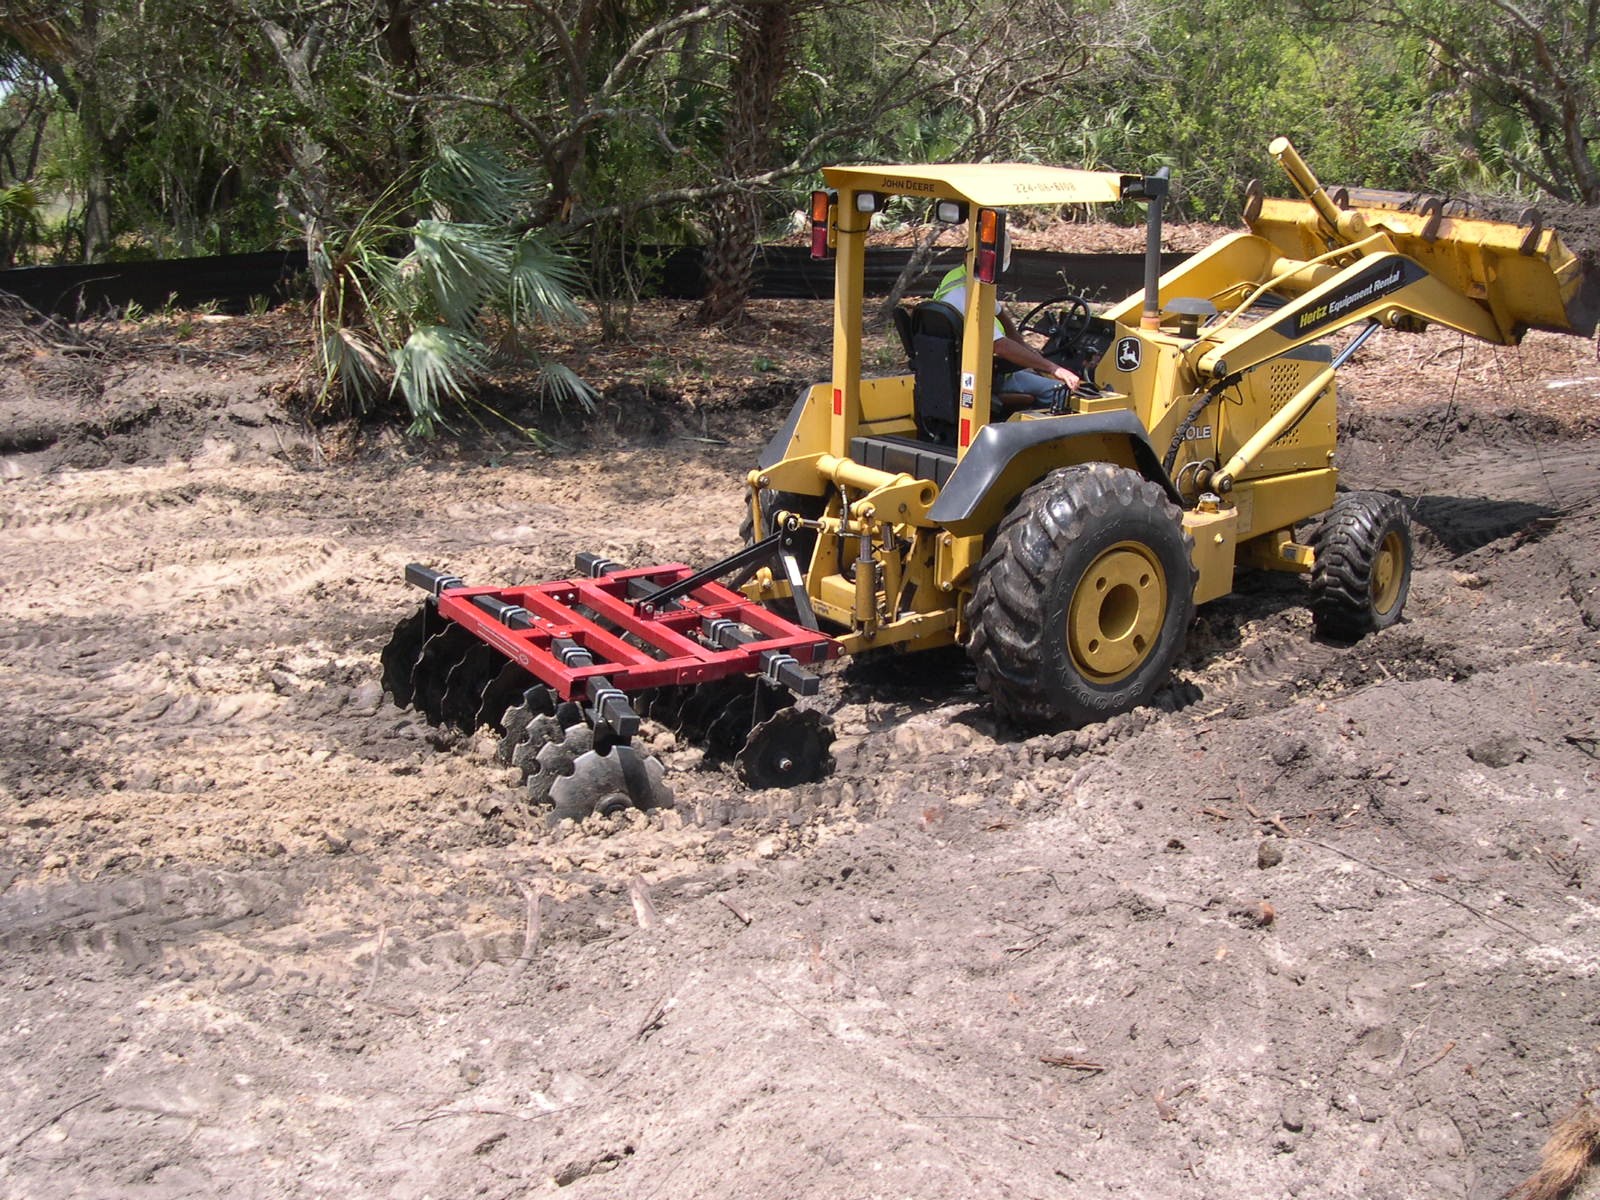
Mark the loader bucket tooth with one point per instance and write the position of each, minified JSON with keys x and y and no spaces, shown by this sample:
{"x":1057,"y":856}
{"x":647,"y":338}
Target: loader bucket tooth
{"x":464,"y":686}
{"x":501,"y":693}
{"x":439,"y":657}
{"x":404,"y":647}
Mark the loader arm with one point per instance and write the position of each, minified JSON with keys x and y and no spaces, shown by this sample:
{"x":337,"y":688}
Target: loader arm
{"x":1388,"y":287}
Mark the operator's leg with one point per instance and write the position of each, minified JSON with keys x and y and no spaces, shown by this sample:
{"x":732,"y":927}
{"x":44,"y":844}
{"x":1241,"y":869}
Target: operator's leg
{"x":1030,"y":383}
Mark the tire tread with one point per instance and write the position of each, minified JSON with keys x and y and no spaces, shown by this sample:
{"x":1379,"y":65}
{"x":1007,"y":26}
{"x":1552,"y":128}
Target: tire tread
{"x":1009,"y":634}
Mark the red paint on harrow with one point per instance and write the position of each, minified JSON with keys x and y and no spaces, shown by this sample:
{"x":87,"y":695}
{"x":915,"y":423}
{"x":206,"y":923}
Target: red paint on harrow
{"x":626,"y":643}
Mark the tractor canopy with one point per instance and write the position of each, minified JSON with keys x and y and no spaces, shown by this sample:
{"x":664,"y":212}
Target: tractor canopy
{"x":990,"y":185}
{"x":979,"y":194}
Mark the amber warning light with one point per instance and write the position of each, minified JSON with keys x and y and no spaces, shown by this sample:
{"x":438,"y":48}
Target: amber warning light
{"x":821,"y":206}
{"x":991,"y":233}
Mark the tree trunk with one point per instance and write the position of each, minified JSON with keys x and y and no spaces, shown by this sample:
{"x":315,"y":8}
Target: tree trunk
{"x":92,"y":127}
{"x":735,"y":220}
{"x":305,"y":193}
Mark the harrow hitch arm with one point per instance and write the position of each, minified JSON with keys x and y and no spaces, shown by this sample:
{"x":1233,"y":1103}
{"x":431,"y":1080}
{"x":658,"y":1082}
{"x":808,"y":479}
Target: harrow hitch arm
{"x":776,"y":549}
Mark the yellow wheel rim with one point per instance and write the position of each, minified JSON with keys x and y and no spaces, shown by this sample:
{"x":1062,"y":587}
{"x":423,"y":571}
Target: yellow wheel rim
{"x":1388,"y":569}
{"x":1114,"y":619}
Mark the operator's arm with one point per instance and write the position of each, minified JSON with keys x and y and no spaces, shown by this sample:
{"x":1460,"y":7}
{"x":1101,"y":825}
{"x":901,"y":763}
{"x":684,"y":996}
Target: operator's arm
{"x":1020,"y":354}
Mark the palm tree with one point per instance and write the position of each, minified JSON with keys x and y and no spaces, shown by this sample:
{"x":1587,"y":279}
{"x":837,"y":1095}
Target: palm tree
{"x":419,"y":322}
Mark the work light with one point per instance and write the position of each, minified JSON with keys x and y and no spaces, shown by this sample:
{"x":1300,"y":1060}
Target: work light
{"x":821,"y":208}
{"x":991,"y":235}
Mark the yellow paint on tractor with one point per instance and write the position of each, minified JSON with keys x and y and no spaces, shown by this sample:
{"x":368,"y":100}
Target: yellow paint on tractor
{"x":1220,"y":390}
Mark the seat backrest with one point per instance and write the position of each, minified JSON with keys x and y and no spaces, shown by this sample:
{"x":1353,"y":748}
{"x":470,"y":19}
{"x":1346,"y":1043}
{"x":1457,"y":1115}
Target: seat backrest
{"x":935,"y":331}
{"x":902,"y":326}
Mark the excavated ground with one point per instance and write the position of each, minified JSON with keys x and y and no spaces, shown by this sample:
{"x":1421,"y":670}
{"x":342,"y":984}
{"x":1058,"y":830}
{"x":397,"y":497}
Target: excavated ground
{"x":1322,"y":924}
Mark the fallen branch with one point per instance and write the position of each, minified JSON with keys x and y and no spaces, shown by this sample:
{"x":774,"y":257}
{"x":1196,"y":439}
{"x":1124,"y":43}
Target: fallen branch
{"x":377,"y":960}
{"x":532,"y":927}
{"x":1487,"y":918}
{"x":442,"y":1113}
{"x":1436,"y":1059}
{"x":1071,"y":1063}
{"x":744,"y":917}
{"x":49,"y":1121}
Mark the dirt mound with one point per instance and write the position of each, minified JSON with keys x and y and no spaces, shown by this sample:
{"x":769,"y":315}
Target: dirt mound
{"x":190,"y":388}
{"x":1319,"y":923}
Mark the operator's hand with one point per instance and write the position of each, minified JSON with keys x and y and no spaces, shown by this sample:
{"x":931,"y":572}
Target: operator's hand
{"x":1066,"y":377}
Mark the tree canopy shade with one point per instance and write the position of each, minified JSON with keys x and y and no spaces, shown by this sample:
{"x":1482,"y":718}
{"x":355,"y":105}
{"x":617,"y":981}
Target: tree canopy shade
{"x":152,"y":127}
{"x":1518,"y":82}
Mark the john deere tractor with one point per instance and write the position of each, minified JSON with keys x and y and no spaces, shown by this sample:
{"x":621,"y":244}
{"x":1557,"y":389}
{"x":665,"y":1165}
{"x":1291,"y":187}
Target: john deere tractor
{"x":1065,"y":542}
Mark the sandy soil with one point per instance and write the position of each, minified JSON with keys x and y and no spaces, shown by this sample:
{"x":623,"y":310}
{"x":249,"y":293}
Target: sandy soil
{"x":1323,"y":923}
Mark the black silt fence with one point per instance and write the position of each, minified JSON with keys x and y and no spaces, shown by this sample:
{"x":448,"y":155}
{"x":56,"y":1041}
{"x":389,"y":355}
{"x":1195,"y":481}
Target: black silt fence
{"x":233,"y":282}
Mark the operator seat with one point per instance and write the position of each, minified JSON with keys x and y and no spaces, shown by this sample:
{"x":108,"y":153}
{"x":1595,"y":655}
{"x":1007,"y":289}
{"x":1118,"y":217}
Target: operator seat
{"x":935,"y":349}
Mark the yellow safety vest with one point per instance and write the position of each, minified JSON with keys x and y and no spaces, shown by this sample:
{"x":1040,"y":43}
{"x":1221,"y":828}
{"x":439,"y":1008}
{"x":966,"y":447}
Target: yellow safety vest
{"x":955,"y":280}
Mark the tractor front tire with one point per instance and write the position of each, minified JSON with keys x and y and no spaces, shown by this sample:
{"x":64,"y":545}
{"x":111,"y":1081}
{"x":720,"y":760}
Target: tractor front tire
{"x":1362,"y":570}
{"x":1083,"y":600}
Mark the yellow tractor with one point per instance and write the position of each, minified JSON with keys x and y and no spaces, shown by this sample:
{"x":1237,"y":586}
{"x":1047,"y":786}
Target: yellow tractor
{"x":1065,"y":542}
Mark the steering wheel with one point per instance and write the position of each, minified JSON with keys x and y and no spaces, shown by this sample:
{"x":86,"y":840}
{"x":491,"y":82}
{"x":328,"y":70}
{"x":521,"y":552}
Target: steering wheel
{"x":1061,"y":330}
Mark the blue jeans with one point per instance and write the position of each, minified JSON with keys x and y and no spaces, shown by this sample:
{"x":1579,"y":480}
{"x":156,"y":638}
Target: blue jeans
{"x":1030,"y":383}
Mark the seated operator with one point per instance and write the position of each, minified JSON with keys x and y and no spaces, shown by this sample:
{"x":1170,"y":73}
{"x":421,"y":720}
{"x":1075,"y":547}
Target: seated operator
{"x":1030,"y":372}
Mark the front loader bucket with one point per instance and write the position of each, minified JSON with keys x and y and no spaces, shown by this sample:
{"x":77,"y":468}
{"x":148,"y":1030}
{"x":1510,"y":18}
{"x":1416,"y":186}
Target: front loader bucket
{"x":1520,"y":271}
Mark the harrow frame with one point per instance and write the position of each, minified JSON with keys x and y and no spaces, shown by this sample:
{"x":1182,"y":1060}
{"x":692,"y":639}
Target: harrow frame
{"x":615,"y":632}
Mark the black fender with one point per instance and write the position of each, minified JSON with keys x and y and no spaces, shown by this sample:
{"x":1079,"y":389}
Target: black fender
{"x":777,"y":447}
{"x":1006,"y":459}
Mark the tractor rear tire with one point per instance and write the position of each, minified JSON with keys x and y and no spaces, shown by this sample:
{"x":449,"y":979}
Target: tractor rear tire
{"x":1361,"y":574}
{"x":1084,"y":598}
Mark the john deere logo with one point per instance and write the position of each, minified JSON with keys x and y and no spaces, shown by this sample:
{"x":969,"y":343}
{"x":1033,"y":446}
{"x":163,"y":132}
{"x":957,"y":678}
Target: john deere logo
{"x":1128,"y":354}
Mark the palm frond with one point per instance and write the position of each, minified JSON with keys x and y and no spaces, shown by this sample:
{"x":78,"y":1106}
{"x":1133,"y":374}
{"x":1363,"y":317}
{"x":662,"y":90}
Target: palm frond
{"x":21,"y":201}
{"x":544,"y":280}
{"x":562,"y":386}
{"x":352,"y":358}
{"x":462,"y":265}
{"x":436,"y":361}
{"x":475,"y":184}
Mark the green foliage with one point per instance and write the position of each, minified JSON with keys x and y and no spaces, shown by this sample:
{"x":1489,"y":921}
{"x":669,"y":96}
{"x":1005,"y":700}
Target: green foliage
{"x":419,"y":322}
{"x":154,"y":128}
{"x":21,"y":203}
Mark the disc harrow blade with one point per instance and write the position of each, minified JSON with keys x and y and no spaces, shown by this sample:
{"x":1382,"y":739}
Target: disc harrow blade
{"x":404,"y":648}
{"x":608,"y":783}
{"x":542,"y":731}
{"x":465,"y":684}
{"x":729,"y":728}
{"x":555,"y":759}
{"x":666,"y":706}
{"x":704,"y":705}
{"x":503,"y":692}
{"x":441,"y":655}
{"x":537,"y":701}
{"x":787,"y":749}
